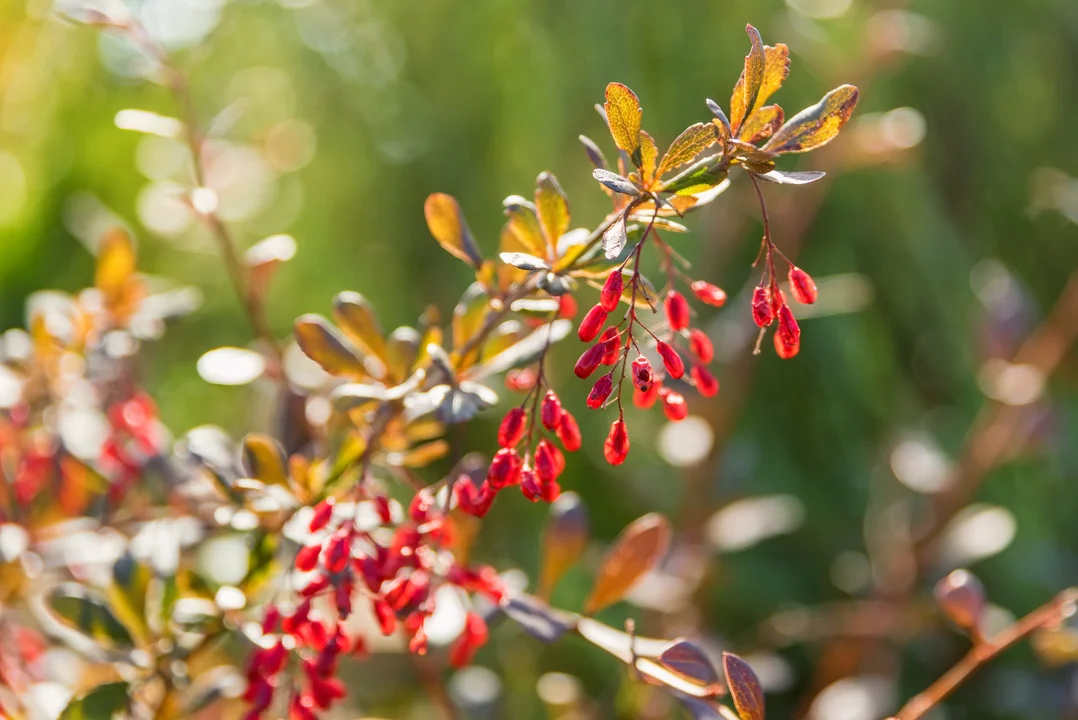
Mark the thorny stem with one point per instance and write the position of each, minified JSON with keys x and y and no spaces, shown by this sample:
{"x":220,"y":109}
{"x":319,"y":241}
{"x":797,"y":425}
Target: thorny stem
{"x":1060,"y":608}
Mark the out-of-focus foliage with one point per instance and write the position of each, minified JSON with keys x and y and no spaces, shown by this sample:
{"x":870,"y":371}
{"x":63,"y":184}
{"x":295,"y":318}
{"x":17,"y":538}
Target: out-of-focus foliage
{"x":941,"y":238}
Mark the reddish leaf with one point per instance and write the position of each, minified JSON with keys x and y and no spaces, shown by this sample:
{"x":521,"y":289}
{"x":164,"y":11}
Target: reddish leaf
{"x":744,"y":687}
{"x":636,"y":550}
{"x":564,"y":539}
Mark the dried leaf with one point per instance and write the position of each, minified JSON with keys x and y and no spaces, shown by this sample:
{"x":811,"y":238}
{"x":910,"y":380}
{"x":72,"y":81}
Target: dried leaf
{"x":322,"y":343}
{"x":538,"y":619}
{"x":762,"y":124}
{"x":552,"y":207}
{"x":446,"y":223}
{"x":614,"y":239}
{"x":636,"y":550}
{"x":102,"y":703}
{"x":358,"y":321}
{"x":744,"y":686}
{"x":623,"y":115}
{"x":686,"y":146}
{"x":782,"y":177}
{"x":564,"y":539}
{"x":264,"y":460}
{"x":524,"y":261}
{"x":595,"y":155}
{"x":524,"y":225}
{"x":615,"y":182}
{"x":817,"y":125}
{"x":748,"y":85}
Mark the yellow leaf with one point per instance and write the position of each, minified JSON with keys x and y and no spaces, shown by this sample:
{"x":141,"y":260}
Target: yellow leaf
{"x":623,"y":114}
{"x":524,"y":225}
{"x":357,"y":319}
{"x":748,"y":85}
{"x":686,"y":146}
{"x":762,"y":124}
{"x":639,"y":547}
{"x":552,"y":208}
{"x":446,"y":223}
{"x":115,"y":268}
{"x":776,"y":68}
{"x":649,"y":154}
{"x":321,"y":342}
{"x":264,"y":460}
{"x":425,"y":454}
{"x":817,"y":125}
{"x":510,"y":242}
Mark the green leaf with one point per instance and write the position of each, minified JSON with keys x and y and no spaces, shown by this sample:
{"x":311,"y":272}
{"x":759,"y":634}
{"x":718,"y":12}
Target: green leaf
{"x":639,"y":547}
{"x":88,"y":612}
{"x":817,"y":125}
{"x":748,"y":85}
{"x":322,"y":343}
{"x":102,"y":703}
{"x":552,"y":208}
{"x":686,"y":146}
{"x":446,"y":224}
{"x":744,"y":686}
{"x":623,"y":113}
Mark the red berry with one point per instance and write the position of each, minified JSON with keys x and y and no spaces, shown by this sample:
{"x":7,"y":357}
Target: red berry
{"x":387,"y":619}
{"x":600,"y":391}
{"x":473,"y":638}
{"x":611,"y":294}
{"x":307,"y":557}
{"x":761,"y":307}
{"x":512,"y":428}
{"x":530,"y":484}
{"x":674,"y":406}
{"x":338,"y":550}
{"x":788,"y":327}
{"x":786,"y":350}
{"x":323,"y":511}
{"x":549,"y":492}
{"x":567,"y":307}
{"x":550,"y":411}
{"x":643,"y":378}
{"x":612,"y":340}
{"x":778,"y":300}
{"x":709,"y":294}
{"x":592,"y":323}
{"x":590,"y":360}
{"x":522,"y":379}
{"x":677,"y":310}
{"x":644,"y":400}
{"x":802,"y":286}
{"x":421,"y":505}
{"x":671,"y":360}
{"x":270,"y":619}
{"x":381,"y":505}
{"x":701,"y":347}
{"x":706,"y":383}
{"x":546,"y":462}
{"x":616,"y":446}
{"x":504,"y":469}
{"x":569,"y":432}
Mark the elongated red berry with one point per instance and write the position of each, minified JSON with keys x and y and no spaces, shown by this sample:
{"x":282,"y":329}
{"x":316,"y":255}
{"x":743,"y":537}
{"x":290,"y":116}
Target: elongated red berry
{"x":504,"y":469}
{"x":802,"y":286}
{"x":616,"y":446}
{"x":567,"y":307}
{"x":674,"y":406}
{"x":644,"y":400}
{"x":643,"y":378}
{"x":338,"y":550}
{"x":550,"y":411}
{"x":611,"y":294}
{"x":778,"y":300}
{"x":473,"y":637}
{"x":706,"y":383}
{"x":307,"y":557}
{"x":546,"y":463}
{"x":675,"y":367}
{"x":784,"y":349}
{"x":512,"y":428}
{"x":709,"y":294}
{"x":569,"y":432}
{"x":323,"y":511}
{"x":677,"y":310}
{"x":592,"y":323}
{"x":530,"y":484}
{"x":612,"y":340}
{"x":600,"y":391}
{"x":701,"y":347}
{"x":761,"y":307}
{"x":788,"y":328}
{"x":589,"y":360}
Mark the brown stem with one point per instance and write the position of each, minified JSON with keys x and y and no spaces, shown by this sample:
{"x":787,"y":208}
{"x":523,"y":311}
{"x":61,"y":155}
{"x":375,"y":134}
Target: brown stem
{"x":1061,"y":607}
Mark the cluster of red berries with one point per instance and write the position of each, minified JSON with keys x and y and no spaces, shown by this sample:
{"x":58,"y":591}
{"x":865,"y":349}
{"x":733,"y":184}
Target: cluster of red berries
{"x":769,"y":304}
{"x":537,"y":471}
{"x":615,"y":344}
{"x":343,"y":563}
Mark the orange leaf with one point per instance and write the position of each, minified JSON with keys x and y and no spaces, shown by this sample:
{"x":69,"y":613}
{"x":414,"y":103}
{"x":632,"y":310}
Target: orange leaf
{"x":817,"y":125}
{"x":686,"y":146}
{"x":762,"y":124}
{"x":564,"y":539}
{"x":636,"y":550}
{"x":744,"y":686}
{"x":776,"y":68}
{"x":649,"y":155}
{"x":115,"y":267}
{"x":321,"y":342}
{"x":356,"y":317}
{"x":446,"y":223}
{"x":748,"y":85}
{"x":623,"y":115}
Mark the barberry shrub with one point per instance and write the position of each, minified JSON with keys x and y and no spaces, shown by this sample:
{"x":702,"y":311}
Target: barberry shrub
{"x":347,"y":535}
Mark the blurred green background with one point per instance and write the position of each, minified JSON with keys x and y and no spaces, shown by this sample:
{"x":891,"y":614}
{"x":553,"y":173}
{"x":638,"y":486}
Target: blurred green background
{"x":945,"y":232}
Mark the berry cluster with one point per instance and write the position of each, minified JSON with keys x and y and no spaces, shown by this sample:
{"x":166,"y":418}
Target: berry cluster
{"x":341,"y":564}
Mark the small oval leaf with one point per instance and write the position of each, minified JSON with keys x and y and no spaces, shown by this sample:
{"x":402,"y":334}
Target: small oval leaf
{"x":359,"y":322}
{"x":552,"y":207}
{"x":623,"y":115}
{"x":321,"y":342}
{"x":446,"y":224}
{"x":815,"y":126}
{"x":564,"y":539}
{"x":803,"y":177}
{"x":264,"y":460}
{"x":615,"y":182}
{"x":524,"y":261}
{"x":614,"y":239}
{"x":636,"y":550}
{"x":744,"y":686}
